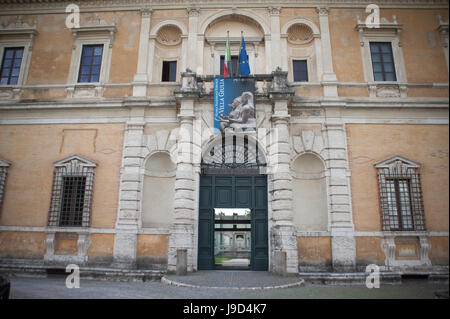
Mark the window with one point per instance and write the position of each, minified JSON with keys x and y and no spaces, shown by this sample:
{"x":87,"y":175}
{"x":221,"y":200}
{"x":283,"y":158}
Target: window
{"x":169,"y":71}
{"x":300,"y":70}
{"x":72,"y":192}
{"x":399,"y":204}
{"x":90,"y":64}
{"x":233,"y":69}
{"x":72,"y":200}
{"x":10,"y":70}
{"x":400,"y":195}
{"x":382,"y":61}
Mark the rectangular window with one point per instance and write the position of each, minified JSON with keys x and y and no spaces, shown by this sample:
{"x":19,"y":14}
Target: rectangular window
{"x":72,"y":201}
{"x":169,"y":71}
{"x":90,"y":64}
{"x":300,"y":68}
{"x":233,"y":68}
{"x":10,"y":70}
{"x":399,"y":204}
{"x":382,"y":61}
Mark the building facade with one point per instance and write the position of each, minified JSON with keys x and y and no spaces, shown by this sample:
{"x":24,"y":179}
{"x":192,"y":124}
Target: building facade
{"x":105,"y":125}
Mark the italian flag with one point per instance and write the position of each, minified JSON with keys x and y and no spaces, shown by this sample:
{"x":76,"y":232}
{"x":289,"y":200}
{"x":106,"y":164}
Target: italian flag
{"x":227,"y":62}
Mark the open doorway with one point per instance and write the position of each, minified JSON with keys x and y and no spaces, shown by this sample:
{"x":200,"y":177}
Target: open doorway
{"x":232,"y":238}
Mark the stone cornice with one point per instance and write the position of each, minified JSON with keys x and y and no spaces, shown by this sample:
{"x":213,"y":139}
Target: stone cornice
{"x":14,"y":6}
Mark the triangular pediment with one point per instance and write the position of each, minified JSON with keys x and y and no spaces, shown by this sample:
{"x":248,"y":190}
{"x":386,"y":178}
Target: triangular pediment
{"x":82,"y":161}
{"x":4,"y":163}
{"x":397,"y":159}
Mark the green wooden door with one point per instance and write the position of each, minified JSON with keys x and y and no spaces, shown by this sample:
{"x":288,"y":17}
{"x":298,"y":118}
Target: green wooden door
{"x":224,"y":191}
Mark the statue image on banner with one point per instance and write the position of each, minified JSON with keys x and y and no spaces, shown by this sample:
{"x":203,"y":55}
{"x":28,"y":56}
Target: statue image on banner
{"x":242,"y":115}
{"x":234,"y":106}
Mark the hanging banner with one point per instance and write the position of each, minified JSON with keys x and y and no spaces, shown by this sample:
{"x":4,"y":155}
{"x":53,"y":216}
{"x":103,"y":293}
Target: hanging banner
{"x":234,"y":104}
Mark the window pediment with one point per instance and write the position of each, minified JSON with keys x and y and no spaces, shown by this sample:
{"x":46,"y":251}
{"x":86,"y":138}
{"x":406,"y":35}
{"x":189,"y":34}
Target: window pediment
{"x":19,"y":29}
{"x":4,"y":163}
{"x":385,"y":28}
{"x":74,"y":160}
{"x":94,"y":27}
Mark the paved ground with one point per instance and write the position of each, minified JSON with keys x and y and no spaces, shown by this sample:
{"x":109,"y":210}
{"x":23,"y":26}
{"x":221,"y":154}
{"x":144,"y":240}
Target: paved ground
{"x":54,"y":287}
{"x":236,"y":279}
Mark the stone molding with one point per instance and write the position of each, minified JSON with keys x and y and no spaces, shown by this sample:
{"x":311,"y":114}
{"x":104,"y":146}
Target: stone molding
{"x":4,"y":164}
{"x":392,"y":262}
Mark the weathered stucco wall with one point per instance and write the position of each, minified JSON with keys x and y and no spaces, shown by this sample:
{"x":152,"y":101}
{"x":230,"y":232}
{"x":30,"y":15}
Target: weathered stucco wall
{"x":32,"y":150}
{"x":314,"y":252}
{"x":422,"y":48}
{"x":425,"y":144}
{"x":152,"y":250}
{"x":22,"y":244}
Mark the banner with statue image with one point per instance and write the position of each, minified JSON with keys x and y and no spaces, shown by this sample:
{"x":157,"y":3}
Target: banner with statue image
{"x":234,"y":104}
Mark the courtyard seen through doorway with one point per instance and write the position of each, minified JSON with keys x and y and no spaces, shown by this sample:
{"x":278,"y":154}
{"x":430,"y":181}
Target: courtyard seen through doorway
{"x":232,"y":238}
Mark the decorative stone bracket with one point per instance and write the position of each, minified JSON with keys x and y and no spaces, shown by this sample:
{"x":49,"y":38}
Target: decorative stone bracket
{"x":387,"y":90}
{"x":397,"y":258}
{"x":83,"y":243}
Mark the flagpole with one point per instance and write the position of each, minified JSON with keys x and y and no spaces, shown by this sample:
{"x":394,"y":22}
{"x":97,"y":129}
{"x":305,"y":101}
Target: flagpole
{"x":239,"y":56}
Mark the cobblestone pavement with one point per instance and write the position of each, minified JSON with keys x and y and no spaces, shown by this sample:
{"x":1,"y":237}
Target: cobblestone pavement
{"x":236,"y":279}
{"x":54,"y":287}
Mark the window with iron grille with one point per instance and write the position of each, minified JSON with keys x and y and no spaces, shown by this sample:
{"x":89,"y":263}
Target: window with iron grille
{"x":400,"y":196}
{"x":382,"y":61}
{"x":91,"y":63}
{"x":233,"y":69}
{"x":11,"y":63}
{"x":72,"y":192}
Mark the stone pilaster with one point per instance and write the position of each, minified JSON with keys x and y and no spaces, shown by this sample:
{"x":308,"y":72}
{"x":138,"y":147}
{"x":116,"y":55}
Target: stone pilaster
{"x":274,"y":13}
{"x":141,"y":77}
{"x":182,"y":230}
{"x":128,"y":219}
{"x":329,"y":78}
{"x":192,"y":54}
{"x":283,"y":235}
{"x":341,"y":223}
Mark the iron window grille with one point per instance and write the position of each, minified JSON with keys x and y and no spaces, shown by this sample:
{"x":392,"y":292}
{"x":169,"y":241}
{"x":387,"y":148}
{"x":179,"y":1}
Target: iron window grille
{"x":382,"y":61}
{"x":10,"y":69}
{"x":300,"y":68}
{"x":72,"y":193}
{"x":91,"y":63}
{"x":233,"y":69}
{"x":238,"y":154}
{"x":401,"y":197}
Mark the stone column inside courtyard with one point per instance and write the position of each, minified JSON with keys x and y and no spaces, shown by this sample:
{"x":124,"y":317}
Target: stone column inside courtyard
{"x":282,"y":233}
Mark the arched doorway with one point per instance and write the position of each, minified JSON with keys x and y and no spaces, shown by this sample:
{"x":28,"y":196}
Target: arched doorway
{"x":233,"y":212}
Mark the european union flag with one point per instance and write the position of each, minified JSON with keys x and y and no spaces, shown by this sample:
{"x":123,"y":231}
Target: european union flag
{"x":244,"y":68}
